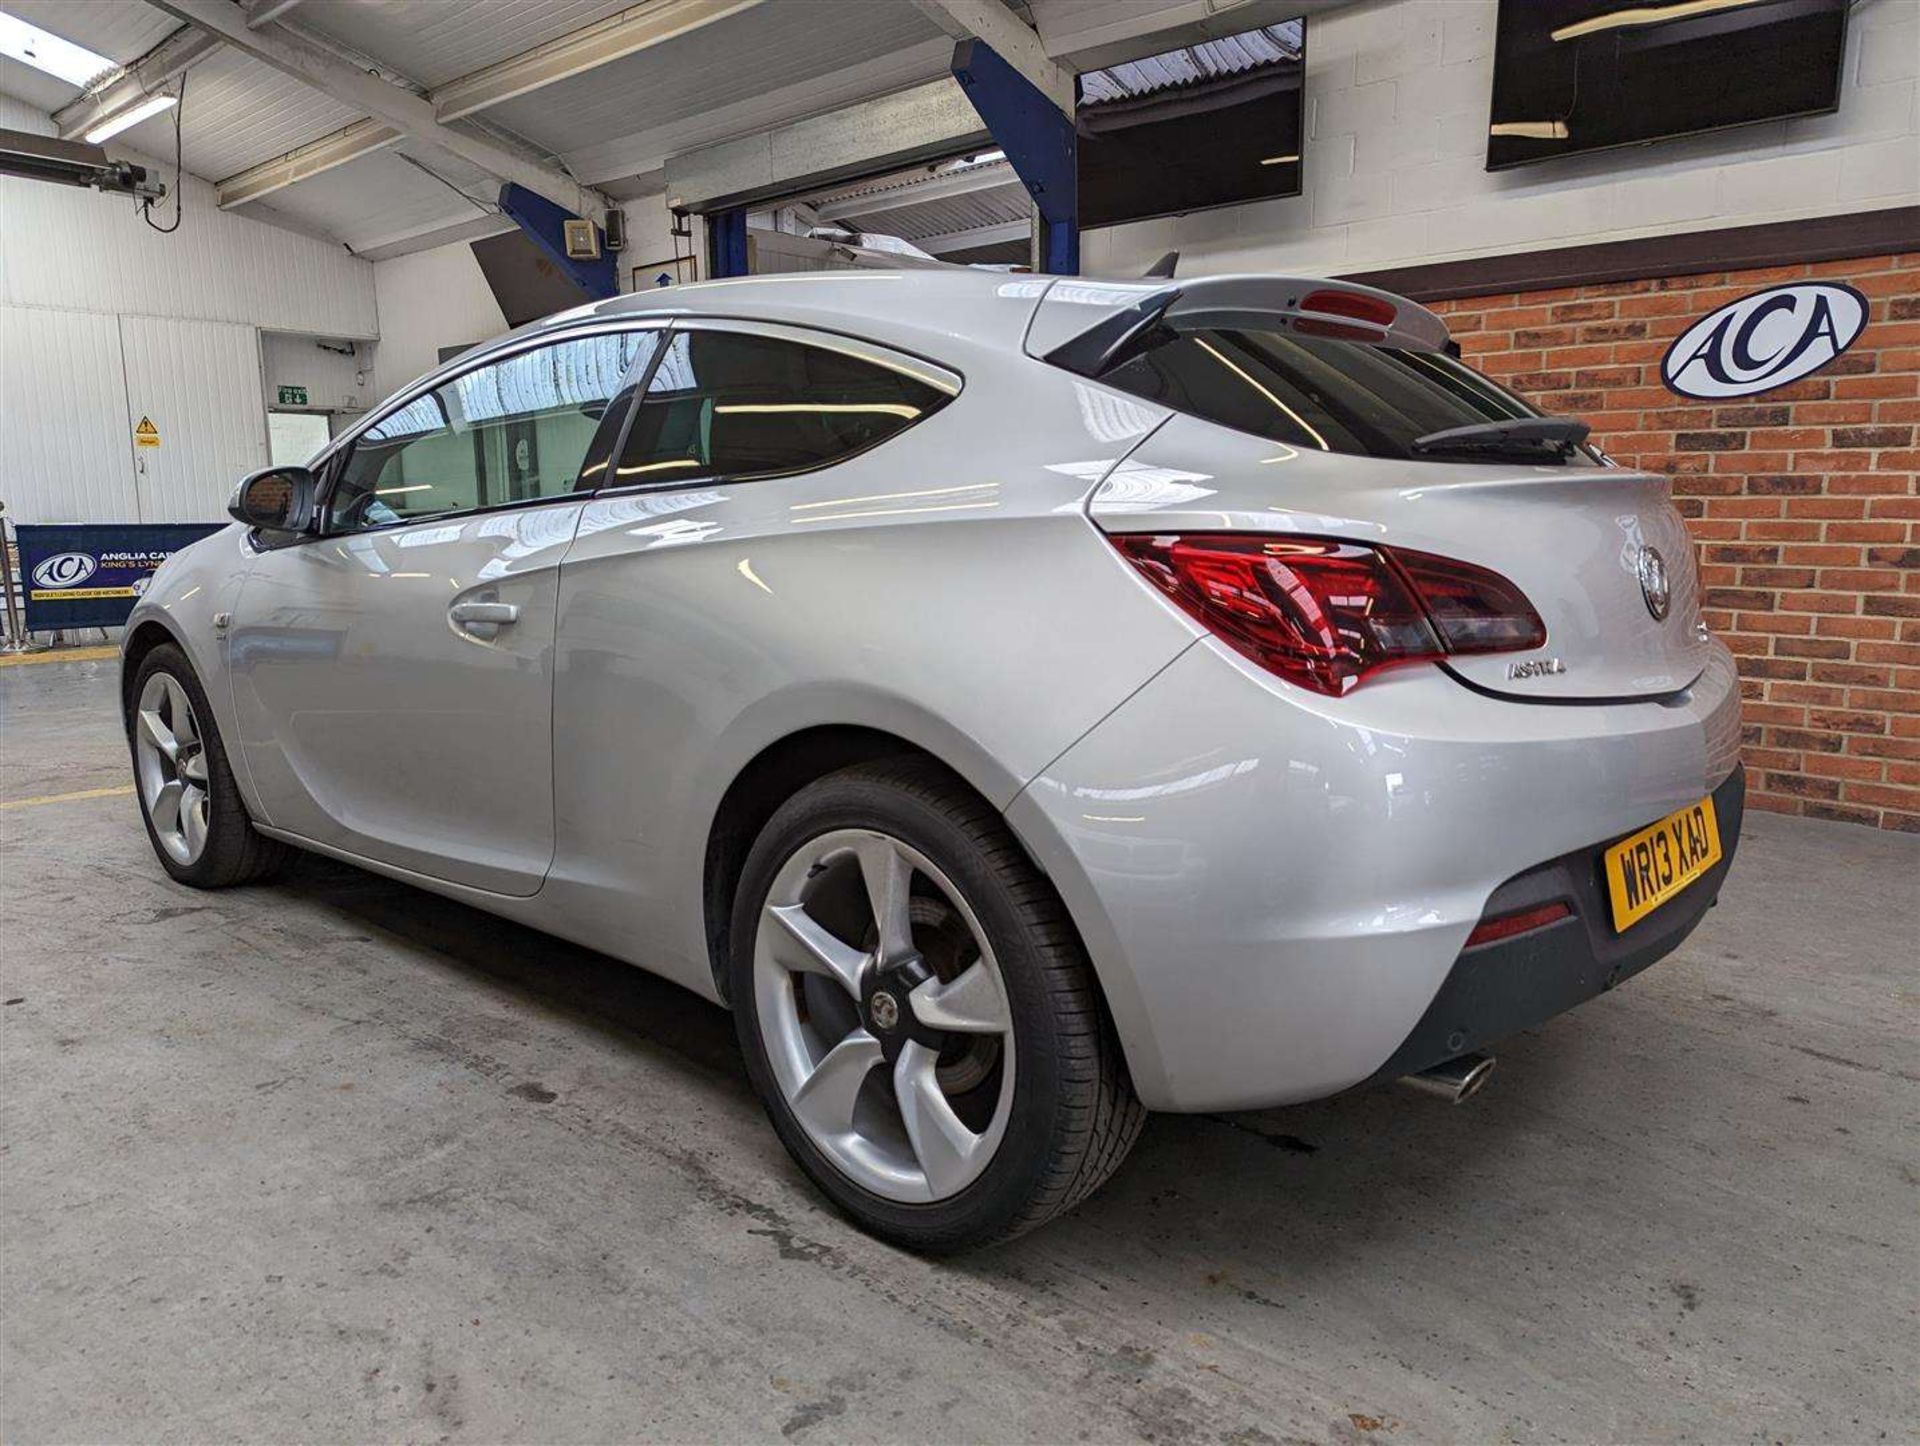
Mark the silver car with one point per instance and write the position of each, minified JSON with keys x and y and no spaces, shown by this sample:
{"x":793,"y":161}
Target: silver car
{"x":1027,"y":702}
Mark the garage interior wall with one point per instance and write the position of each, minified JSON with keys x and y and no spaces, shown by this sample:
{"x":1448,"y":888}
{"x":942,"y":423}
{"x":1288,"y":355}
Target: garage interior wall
{"x":105,"y":322}
{"x":439,"y":298}
{"x":1396,"y":138}
{"x":1804,"y":504}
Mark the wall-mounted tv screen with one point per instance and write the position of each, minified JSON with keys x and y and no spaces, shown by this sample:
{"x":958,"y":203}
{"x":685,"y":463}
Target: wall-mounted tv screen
{"x":1582,"y":75}
{"x":1210,"y":124}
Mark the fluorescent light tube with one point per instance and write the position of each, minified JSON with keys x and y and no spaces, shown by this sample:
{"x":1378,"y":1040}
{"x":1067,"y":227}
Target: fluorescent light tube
{"x":43,"y":50}
{"x":132,"y":116}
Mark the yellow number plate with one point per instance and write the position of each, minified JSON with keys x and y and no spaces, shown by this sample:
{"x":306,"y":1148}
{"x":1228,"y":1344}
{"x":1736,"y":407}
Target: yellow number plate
{"x":1647,"y":869}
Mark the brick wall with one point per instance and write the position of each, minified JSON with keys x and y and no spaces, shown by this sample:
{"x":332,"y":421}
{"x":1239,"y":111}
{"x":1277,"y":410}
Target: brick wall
{"x":1803,"y":504}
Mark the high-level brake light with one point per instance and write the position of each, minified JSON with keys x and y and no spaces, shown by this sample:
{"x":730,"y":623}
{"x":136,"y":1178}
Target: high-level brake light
{"x":1325,"y":614}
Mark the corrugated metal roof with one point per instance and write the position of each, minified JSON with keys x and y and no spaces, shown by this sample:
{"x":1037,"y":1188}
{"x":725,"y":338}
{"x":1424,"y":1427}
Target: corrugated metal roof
{"x":731,"y":60}
{"x":121,"y":30}
{"x":1231,"y":55}
{"x":435,"y":41}
{"x":376,"y":198}
{"x":238,"y":112}
{"x":947,"y":214}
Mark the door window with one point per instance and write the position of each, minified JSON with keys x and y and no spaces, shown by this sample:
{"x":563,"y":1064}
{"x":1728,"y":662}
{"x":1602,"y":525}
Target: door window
{"x":514,"y":430}
{"x":742,"y":405}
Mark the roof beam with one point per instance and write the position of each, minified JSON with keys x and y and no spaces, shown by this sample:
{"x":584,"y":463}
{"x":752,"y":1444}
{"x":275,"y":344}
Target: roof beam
{"x":637,"y":28}
{"x":408,"y":113}
{"x":851,"y":85}
{"x":934,"y":188}
{"x":349,"y":143}
{"x":1012,"y":40}
{"x":259,"y":12}
{"x":160,"y":66}
{"x":996,"y":234}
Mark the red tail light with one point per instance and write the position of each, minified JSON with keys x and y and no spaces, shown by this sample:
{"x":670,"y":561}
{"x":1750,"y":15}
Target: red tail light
{"x":1523,"y":921}
{"x":1376,"y":309}
{"x":1325,"y":614}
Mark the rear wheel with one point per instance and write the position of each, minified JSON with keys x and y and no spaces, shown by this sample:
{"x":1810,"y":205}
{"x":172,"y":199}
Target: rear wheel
{"x":918,"y":1016}
{"x":195,"y":818}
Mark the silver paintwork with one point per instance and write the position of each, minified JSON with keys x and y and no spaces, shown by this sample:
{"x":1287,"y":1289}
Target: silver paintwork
{"x":1271,"y":884}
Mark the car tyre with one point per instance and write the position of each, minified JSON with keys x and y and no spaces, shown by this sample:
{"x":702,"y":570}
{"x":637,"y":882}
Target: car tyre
{"x":1070,"y":1115}
{"x":196,"y":820}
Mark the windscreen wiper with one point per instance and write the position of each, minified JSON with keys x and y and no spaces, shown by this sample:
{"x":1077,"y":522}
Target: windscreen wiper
{"x":1516,"y":436}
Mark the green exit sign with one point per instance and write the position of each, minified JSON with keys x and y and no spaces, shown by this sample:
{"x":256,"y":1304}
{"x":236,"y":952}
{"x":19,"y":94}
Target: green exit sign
{"x":293,"y":396}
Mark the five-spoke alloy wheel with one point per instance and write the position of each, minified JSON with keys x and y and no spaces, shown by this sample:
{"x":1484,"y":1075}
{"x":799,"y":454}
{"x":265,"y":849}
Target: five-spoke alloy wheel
{"x":198,"y":822}
{"x":895,"y":1051}
{"x":170,"y":767}
{"x":918,"y":1015}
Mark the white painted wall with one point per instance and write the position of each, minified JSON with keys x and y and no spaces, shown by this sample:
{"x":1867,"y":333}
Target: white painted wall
{"x":334,"y":382}
{"x":66,"y":247}
{"x":103,"y":321}
{"x":1397,"y":98}
{"x":429,"y":300}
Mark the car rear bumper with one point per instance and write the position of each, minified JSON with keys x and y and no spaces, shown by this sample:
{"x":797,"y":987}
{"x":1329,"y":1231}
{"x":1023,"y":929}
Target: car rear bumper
{"x":1499,"y":989}
{"x":1276,"y":887}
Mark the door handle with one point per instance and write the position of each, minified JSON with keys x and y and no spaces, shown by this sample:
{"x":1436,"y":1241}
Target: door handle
{"x":467,"y":614}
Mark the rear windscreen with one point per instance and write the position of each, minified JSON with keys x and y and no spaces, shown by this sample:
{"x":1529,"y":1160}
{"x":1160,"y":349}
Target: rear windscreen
{"x":1330,"y":395}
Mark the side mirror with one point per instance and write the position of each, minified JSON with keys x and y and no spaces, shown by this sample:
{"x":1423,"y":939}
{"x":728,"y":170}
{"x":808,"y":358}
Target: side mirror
{"x":279,"y":499}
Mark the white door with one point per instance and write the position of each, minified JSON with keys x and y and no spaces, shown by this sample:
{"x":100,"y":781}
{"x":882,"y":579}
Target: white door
{"x":198,"y":385}
{"x":64,"y":455}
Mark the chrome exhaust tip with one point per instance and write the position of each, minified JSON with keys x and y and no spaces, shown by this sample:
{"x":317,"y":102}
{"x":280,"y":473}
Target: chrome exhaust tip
{"x":1458,"y":1080}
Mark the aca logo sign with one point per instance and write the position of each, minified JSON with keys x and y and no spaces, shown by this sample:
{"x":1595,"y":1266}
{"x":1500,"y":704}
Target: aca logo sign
{"x":64,"y":569}
{"x":1765,"y":340}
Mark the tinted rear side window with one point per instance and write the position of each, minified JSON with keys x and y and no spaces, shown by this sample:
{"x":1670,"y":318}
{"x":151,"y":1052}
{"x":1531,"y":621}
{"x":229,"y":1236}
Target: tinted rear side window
{"x":734,"y":404}
{"x":1320,"y":393}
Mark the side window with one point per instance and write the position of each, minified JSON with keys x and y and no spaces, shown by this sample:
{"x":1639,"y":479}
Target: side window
{"x":741,"y":405}
{"x":510,"y":431}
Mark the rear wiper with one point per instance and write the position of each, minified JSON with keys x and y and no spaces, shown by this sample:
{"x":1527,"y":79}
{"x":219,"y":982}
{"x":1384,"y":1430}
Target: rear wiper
{"x":1516,"y":436}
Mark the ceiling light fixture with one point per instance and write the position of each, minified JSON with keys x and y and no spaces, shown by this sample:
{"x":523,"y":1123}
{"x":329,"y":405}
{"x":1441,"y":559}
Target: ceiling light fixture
{"x":1532,"y":130}
{"x":1279,"y":160}
{"x":1645,"y":15}
{"x":45,"y":51}
{"x":131,"y":116}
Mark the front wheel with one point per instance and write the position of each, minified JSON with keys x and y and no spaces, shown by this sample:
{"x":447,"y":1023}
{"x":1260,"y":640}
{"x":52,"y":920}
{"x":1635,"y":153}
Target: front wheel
{"x":918,"y":1015}
{"x":195,"y":817}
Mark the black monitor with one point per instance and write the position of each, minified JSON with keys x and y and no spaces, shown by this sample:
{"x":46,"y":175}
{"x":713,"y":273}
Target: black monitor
{"x":1211,"y":124}
{"x":1584,"y":75}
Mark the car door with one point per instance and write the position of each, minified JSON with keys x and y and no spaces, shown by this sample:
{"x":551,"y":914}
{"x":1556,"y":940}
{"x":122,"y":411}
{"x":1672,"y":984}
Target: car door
{"x":393,"y":675}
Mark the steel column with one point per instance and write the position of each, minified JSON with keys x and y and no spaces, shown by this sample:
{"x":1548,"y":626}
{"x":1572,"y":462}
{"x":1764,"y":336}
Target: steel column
{"x":1038,"y":140}
{"x":544,"y":222}
{"x":726,"y":243}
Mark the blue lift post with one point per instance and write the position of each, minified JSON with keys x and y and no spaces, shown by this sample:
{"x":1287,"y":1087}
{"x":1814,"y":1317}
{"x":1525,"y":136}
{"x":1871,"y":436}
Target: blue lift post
{"x":544,"y":222}
{"x":726,"y":243}
{"x":1038,"y":140}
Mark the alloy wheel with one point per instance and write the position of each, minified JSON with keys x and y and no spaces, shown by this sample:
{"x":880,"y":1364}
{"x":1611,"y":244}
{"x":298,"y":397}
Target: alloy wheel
{"x":171,"y":763}
{"x":884,"y":1015}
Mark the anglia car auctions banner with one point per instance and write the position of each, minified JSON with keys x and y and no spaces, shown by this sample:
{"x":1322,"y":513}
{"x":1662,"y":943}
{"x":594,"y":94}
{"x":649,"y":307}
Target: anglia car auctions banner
{"x":87,"y":575}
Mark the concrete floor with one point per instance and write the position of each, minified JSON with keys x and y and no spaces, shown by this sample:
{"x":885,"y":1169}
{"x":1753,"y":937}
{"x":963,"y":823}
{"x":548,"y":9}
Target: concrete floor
{"x":334,"y":1159}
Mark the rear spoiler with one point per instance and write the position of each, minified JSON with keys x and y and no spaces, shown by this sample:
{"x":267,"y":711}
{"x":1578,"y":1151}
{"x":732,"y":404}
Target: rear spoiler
{"x":1313,"y":307}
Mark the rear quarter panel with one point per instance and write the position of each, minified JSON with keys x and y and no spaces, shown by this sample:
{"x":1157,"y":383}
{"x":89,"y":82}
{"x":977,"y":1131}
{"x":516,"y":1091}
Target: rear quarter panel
{"x":946,"y":587}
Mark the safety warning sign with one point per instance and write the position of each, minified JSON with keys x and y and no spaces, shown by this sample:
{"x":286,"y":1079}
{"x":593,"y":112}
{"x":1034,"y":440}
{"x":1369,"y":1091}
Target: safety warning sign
{"x":146,"y":434}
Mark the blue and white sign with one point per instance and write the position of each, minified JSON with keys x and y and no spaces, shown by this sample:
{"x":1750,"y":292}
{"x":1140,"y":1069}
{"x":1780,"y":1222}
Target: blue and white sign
{"x":86,"y":575}
{"x":1763,"y":341}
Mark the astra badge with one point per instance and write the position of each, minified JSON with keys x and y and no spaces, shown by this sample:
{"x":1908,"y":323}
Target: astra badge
{"x":1765,"y":340}
{"x":1654,"y":587}
{"x":1536,"y":668}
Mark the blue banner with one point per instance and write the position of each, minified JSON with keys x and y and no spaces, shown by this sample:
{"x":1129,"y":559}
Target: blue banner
{"x":87,"y":575}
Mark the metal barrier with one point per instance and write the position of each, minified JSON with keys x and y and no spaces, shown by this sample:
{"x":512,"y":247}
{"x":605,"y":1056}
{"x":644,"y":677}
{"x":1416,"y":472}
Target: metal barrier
{"x":17,"y":640}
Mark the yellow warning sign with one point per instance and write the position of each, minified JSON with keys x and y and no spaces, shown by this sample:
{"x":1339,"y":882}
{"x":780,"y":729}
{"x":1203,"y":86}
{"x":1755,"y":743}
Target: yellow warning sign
{"x":146,"y":434}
